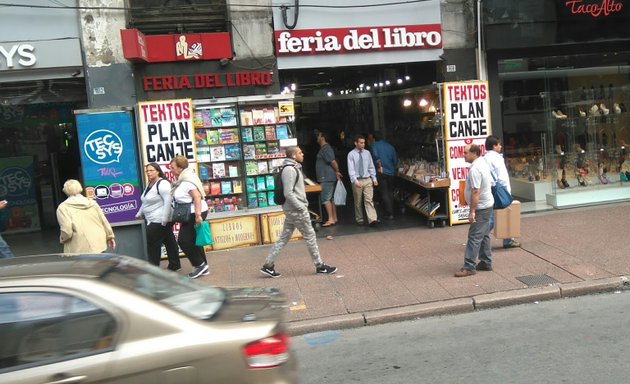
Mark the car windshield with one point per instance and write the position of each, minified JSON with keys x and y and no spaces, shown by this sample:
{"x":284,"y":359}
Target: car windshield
{"x":179,"y":292}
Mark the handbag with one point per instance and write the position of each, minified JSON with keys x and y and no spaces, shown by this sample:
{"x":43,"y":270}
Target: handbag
{"x":502,"y":198}
{"x":204,"y":236}
{"x":339,"y":198}
{"x":180,"y":212}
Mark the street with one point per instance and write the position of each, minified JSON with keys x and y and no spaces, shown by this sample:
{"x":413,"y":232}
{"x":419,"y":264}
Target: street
{"x":577,"y":340}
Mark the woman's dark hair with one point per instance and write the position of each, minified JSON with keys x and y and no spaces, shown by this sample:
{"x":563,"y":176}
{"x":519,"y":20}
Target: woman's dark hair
{"x":159,"y":170}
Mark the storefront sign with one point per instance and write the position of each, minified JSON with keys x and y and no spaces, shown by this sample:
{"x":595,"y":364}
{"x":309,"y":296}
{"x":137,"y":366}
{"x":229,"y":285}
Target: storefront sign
{"x":18,"y":186}
{"x":40,"y":54}
{"x":466,"y":121}
{"x":166,"y":131}
{"x":235,"y":232}
{"x":592,"y":8}
{"x":271,"y":225}
{"x":207,"y":80}
{"x":357,"y":40}
{"x":108,"y":159}
{"x":170,"y":48}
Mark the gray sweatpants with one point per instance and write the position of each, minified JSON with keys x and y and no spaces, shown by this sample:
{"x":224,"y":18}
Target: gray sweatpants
{"x":301,"y":221}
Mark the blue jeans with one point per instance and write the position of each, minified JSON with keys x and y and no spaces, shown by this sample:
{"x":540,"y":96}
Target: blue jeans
{"x":506,"y":242}
{"x":5,"y":250}
{"x":479,"y":243}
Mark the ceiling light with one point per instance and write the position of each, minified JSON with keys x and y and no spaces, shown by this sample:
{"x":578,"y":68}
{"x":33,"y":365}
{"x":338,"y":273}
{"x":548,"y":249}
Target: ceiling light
{"x":329,"y":93}
{"x":406,"y":103}
{"x":293,"y":86}
{"x":399,"y":81}
{"x":407,"y":78}
{"x":423,"y":102}
{"x":387,"y":82}
{"x":368,"y":88}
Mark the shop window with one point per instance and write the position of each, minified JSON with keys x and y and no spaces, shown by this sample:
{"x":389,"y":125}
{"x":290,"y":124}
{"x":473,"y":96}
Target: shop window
{"x":159,"y":17}
{"x":44,"y":327}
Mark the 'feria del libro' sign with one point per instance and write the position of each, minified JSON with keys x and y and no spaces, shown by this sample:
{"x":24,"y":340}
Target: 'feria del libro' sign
{"x":345,"y":40}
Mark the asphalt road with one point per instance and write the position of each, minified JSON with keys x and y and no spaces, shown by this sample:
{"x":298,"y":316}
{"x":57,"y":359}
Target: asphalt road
{"x":578,"y":340}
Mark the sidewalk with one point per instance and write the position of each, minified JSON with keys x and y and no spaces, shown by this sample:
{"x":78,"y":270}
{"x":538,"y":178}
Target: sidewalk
{"x":408,"y":273}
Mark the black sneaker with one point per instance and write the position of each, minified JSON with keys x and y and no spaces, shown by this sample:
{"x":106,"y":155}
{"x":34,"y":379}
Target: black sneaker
{"x":269,"y":271}
{"x":482,"y":266}
{"x":326,"y":269}
{"x":201,"y":270}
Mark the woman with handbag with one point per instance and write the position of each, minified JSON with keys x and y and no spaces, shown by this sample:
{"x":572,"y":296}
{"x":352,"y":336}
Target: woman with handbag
{"x":187,"y":194}
{"x":156,"y":210}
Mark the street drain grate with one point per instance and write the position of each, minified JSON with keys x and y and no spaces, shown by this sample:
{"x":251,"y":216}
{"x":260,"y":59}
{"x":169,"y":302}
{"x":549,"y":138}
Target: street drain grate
{"x":536,"y":280}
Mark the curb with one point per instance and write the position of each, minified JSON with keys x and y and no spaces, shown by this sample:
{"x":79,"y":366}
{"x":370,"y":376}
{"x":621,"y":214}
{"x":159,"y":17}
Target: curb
{"x":459,"y":305}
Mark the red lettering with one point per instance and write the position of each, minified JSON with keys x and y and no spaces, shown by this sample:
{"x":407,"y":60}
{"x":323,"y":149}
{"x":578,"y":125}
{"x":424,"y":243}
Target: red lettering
{"x":167,"y":82}
{"x":255,"y":78}
{"x":467,"y":92}
{"x":606,"y":8}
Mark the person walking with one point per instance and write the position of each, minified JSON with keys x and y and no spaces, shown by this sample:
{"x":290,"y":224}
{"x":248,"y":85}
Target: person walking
{"x":478,"y":194}
{"x":327,"y":172}
{"x":5,"y":250}
{"x":156,"y":209}
{"x":83,"y":225}
{"x":188,"y":189}
{"x":296,"y":215}
{"x":495,"y":161}
{"x":362,"y":175}
{"x":385,"y":160}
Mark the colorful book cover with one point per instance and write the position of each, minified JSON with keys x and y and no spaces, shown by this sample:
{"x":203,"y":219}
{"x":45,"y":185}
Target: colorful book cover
{"x":259,"y":133}
{"x":260,"y":183}
{"x":226,"y":187}
{"x":218,"y":170}
{"x":257,"y":116}
{"x":274,"y":164}
{"x":232,"y":152}
{"x":206,"y":118}
{"x":232,"y":171}
{"x":216,"y":119}
{"x":261,"y":149}
{"x":252,"y":200}
{"x":217,"y":153}
{"x":270,"y":132}
{"x":273,"y":148}
{"x":203,"y":154}
{"x":282,"y":132}
{"x":228,"y":135}
{"x":200,"y":137}
{"x":271,"y":198}
{"x":215,"y":188}
{"x":263,"y":167}
{"x":251,"y":168}
{"x":204,"y":172}
{"x":249,"y":151}
{"x":212,"y":136}
{"x":228,"y":116}
{"x":262,"y":199}
{"x":237,"y":186}
{"x":247,"y":135}
{"x":269,"y":116}
{"x":198,"y":119}
{"x":250,"y":184}
{"x":247,"y":118}
{"x":270,"y":183}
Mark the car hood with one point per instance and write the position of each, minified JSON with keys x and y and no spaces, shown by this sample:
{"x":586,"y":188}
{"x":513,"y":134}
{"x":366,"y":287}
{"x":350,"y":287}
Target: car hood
{"x":252,"y":304}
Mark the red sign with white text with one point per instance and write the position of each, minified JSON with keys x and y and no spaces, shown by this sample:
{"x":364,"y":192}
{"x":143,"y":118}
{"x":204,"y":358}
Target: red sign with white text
{"x":357,"y":40}
{"x":171,"y":48}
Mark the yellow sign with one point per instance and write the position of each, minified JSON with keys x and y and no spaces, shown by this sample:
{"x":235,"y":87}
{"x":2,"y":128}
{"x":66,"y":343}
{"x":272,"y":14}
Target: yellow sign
{"x":235,"y":232}
{"x":272,"y":224}
{"x":285,"y":108}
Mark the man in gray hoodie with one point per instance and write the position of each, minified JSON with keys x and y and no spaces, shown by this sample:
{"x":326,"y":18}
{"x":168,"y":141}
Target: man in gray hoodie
{"x":296,"y":215}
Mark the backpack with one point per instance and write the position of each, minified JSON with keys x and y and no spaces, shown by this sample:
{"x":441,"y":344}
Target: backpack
{"x":278,"y":188}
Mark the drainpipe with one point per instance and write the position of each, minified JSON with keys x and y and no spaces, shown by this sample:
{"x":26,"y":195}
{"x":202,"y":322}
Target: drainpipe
{"x":481,"y":57}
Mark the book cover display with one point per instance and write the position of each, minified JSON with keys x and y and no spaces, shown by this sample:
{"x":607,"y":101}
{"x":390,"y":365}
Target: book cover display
{"x":238,"y":148}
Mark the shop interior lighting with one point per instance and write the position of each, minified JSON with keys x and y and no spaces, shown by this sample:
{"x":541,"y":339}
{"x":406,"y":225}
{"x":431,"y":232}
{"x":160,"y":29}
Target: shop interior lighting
{"x":399,"y":81}
{"x":329,"y":94}
{"x":293,"y":86}
{"x":423,"y":102}
{"x":407,"y":78}
{"x":387,"y":82}
{"x":406,"y":103}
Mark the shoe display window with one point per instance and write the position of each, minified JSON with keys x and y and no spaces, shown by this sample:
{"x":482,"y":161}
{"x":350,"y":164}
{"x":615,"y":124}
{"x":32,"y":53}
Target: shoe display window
{"x":566,"y":125}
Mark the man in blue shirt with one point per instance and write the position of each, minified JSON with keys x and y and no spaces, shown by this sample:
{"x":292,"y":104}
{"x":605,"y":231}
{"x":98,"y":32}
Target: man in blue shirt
{"x":362,"y":174}
{"x":385,"y":160}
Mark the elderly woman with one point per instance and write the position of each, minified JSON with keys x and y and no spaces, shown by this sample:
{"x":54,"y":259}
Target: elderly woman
{"x":84,"y":227}
{"x":188,"y":190}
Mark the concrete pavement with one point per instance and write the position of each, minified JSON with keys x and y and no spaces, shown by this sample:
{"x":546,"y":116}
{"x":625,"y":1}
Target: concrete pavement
{"x":408,"y":273}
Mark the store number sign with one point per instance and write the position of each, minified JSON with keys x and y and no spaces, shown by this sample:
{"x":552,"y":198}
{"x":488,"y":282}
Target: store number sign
{"x":466,"y":121}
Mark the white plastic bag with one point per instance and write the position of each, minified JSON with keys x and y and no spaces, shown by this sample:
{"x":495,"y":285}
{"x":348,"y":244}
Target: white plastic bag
{"x":340,"y":194}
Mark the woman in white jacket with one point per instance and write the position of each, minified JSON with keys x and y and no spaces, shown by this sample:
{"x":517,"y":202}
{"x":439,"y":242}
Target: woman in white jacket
{"x":156,"y":209}
{"x":84,"y":227}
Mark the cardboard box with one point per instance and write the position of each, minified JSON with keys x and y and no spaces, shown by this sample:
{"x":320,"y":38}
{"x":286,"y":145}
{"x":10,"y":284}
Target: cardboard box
{"x":507,"y":222}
